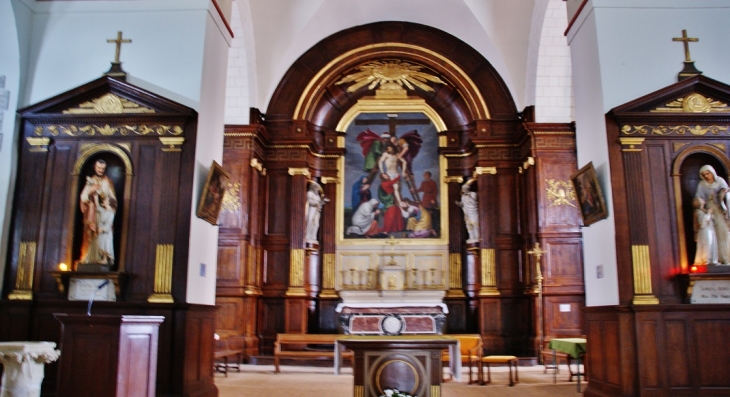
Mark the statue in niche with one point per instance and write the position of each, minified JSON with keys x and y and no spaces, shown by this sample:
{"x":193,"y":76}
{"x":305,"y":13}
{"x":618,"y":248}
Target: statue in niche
{"x":713,"y":191}
{"x":706,"y":253}
{"x":315,"y":202}
{"x":470,"y":207}
{"x":98,"y":203}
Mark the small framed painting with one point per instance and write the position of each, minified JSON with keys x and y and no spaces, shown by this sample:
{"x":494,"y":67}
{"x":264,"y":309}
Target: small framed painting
{"x":590,"y":197}
{"x":212,"y":197}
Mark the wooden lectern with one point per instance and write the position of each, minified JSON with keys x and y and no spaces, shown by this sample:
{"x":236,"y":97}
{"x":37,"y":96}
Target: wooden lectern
{"x":411,"y":364}
{"x":106,"y":356}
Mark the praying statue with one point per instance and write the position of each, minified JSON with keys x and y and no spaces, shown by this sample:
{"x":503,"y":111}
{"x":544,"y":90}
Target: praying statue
{"x":713,"y":191}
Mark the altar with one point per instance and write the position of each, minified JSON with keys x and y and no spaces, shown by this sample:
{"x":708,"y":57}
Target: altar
{"x":397,"y":291}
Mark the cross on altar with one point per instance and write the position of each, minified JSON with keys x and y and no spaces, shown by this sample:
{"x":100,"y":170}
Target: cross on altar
{"x":392,"y":242}
{"x":392,"y":122}
{"x":119,"y":42}
{"x":686,"y":40}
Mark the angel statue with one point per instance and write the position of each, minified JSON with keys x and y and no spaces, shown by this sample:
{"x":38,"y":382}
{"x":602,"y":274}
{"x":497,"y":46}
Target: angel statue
{"x":315,"y":202}
{"x":470,"y":207}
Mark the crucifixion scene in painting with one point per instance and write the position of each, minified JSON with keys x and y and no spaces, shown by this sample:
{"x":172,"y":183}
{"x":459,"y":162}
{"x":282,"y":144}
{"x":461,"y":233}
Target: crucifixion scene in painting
{"x":392,"y":175}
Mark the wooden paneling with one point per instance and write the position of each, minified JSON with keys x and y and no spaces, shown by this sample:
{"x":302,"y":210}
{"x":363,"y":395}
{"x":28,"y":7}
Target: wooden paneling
{"x":676,"y":350}
{"x":230,"y":316}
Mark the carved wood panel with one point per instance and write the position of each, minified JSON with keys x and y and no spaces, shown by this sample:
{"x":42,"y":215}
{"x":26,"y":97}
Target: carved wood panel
{"x":230,"y":315}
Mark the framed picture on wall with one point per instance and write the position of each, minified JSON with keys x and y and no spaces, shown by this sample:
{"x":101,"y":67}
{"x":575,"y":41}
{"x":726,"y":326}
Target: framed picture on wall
{"x":591,"y":203}
{"x":212,"y":196}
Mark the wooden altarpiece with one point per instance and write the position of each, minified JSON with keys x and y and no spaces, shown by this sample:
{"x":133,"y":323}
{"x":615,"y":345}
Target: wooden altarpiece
{"x":270,"y":280}
{"x":654,"y":342}
{"x":147,"y":143}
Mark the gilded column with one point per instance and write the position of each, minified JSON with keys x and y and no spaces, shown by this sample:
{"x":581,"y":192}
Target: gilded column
{"x":297,"y":254}
{"x":328,"y":239}
{"x":488,"y":255}
{"x":456,"y":225}
{"x":638,"y":232}
{"x":24,"y":276}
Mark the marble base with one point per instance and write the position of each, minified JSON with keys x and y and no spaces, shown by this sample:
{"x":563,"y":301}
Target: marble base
{"x":23,"y":364}
{"x":411,"y":320}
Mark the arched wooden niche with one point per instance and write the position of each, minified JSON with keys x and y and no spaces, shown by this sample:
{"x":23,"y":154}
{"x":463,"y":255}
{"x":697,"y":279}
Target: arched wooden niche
{"x":473,"y":90}
{"x":686,"y":174}
{"x":102,"y":200}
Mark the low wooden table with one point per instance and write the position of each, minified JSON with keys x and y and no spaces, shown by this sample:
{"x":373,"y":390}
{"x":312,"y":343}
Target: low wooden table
{"x":411,"y":364}
{"x":575,"y":347}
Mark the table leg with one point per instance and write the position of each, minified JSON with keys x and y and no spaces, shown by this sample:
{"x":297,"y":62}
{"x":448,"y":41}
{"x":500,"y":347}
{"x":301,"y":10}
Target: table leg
{"x":555,"y":368}
{"x":577,"y":370}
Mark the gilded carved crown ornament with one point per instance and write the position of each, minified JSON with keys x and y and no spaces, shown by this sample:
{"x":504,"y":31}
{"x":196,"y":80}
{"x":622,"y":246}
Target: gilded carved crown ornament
{"x":697,"y":130}
{"x":560,"y":193}
{"x":107,"y":130}
{"x":391,"y":77}
{"x":231,"y":200}
{"x":694,"y":103}
{"x":108,"y":104}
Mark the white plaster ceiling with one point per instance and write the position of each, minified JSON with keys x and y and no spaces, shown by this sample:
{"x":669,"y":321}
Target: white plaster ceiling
{"x":280,"y":31}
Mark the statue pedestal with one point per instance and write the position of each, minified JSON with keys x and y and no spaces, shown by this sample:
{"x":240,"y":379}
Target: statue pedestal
{"x":23,"y":364}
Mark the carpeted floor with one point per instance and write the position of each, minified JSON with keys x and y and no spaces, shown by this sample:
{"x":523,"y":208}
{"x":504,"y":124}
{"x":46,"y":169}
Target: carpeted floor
{"x":260,"y":381}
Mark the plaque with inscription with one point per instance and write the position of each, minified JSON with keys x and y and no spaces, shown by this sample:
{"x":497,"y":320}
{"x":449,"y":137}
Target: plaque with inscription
{"x":83,"y":288}
{"x":711,"y":291}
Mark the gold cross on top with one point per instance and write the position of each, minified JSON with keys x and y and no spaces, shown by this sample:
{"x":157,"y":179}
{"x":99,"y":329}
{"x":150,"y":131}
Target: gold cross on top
{"x":119,"y":42}
{"x":537,"y":251}
{"x":686,"y":40}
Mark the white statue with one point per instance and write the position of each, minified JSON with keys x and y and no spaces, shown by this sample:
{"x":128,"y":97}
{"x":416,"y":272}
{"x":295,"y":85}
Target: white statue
{"x":706,"y":253}
{"x":315,"y":202}
{"x":713,"y":190}
{"x":470,"y":207}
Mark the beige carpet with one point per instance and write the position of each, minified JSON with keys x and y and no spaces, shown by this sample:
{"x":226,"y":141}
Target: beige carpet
{"x":260,"y":381}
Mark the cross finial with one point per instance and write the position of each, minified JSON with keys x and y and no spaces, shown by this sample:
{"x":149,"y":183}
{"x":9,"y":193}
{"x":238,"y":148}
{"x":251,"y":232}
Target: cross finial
{"x":537,"y":251}
{"x":686,"y":40}
{"x":119,"y":42}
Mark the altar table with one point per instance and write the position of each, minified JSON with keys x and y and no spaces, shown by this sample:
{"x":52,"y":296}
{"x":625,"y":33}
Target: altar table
{"x":575,"y":347}
{"x":411,"y":364}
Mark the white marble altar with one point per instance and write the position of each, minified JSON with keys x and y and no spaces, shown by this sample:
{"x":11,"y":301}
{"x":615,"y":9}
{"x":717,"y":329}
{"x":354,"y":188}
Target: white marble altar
{"x":23,"y":364}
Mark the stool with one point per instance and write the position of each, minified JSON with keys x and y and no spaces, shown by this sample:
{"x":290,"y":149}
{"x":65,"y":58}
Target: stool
{"x":509,"y":360}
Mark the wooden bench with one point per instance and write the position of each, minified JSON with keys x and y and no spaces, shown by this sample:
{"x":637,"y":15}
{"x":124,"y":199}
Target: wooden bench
{"x":511,"y":361}
{"x":225,"y":349}
{"x":307,"y":346}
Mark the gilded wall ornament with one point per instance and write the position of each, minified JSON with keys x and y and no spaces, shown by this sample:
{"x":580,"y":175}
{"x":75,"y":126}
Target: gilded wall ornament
{"x":694,"y":103}
{"x":560,"y":193}
{"x":697,"y":130}
{"x":108,"y":104}
{"x":107,"y":130}
{"x":390,"y":75}
{"x":231,"y":200}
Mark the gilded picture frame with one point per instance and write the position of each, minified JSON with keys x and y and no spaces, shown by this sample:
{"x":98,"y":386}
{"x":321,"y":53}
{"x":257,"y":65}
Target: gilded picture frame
{"x":591,"y":203}
{"x":211,"y":197}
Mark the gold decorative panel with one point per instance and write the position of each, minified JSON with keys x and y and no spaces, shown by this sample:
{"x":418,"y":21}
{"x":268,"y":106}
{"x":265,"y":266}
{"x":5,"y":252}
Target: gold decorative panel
{"x":696,"y":130}
{"x":109,"y":104}
{"x":26,"y":267}
{"x":694,"y":103}
{"x":163,"y":275}
{"x":107,"y":130}
{"x":560,"y":192}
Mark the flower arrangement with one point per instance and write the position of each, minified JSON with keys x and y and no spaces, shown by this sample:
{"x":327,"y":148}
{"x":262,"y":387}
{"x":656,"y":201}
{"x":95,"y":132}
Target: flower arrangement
{"x":395,"y":393}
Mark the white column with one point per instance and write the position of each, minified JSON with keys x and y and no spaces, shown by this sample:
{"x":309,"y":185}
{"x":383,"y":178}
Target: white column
{"x":23,"y":362}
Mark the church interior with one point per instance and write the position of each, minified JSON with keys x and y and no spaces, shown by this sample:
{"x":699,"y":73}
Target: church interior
{"x":213,"y":173}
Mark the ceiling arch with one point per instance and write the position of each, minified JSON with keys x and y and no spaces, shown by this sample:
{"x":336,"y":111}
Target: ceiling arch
{"x":473,"y":90}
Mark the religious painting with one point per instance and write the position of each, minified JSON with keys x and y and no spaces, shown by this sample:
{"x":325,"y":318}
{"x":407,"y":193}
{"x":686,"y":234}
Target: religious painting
{"x":590,"y":197}
{"x":392,"y":177}
{"x":99,"y":210}
{"x":211,"y":198}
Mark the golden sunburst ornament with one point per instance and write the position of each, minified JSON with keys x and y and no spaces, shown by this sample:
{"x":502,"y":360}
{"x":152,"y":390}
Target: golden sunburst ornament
{"x":560,"y":192}
{"x":387,"y":74}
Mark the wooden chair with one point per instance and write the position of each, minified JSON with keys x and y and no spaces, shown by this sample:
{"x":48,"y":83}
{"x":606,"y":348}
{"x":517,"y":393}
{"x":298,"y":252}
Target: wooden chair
{"x":470,"y":346}
{"x":510,"y":361}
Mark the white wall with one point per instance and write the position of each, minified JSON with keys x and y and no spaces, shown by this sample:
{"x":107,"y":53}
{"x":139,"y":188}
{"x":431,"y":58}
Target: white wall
{"x":203,"y":235}
{"x":622,"y":50}
{"x":10,"y":74}
{"x":178,"y":50}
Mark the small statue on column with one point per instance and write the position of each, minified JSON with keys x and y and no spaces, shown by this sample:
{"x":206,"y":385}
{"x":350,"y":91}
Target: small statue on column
{"x":470,"y":206}
{"x":315,"y":202}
